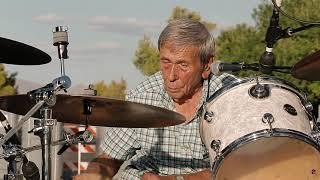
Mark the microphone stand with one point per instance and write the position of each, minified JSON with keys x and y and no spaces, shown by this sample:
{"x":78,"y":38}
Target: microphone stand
{"x":275,"y":33}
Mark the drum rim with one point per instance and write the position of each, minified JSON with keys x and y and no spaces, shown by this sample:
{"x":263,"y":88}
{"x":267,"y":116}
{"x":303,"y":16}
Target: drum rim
{"x":265,"y":133}
{"x":287,"y":85}
{"x":293,"y":88}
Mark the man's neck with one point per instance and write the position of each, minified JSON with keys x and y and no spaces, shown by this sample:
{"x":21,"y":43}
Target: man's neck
{"x":188,"y":107}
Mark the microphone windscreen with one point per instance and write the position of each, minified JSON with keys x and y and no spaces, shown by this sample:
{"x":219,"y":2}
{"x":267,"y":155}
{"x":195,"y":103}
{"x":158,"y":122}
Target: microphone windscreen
{"x":215,"y":68}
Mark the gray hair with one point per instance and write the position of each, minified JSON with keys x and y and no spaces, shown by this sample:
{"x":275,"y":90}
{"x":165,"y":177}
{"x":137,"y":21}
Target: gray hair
{"x":184,"y":32}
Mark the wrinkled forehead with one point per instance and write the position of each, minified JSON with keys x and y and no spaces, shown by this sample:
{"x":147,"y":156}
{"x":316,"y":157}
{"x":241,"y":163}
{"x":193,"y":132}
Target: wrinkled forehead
{"x":173,"y":51}
{"x":177,"y":46}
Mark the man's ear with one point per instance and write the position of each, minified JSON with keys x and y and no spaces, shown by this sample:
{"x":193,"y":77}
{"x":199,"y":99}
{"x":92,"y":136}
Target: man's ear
{"x":207,"y":68}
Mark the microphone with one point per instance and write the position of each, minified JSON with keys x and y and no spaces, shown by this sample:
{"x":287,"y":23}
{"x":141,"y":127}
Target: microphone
{"x":80,"y":137}
{"x":218,"y":67}
{"x":29,"y":169}
{"x":274,"y":30}
{"x":274,"y":33}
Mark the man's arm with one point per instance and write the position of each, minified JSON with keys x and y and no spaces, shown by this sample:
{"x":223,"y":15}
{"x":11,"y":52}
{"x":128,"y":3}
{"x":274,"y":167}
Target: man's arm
{"x":101,"y":166}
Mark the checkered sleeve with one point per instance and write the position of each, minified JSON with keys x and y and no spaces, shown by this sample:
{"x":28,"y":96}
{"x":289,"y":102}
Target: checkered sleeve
{"x":120,"y":143}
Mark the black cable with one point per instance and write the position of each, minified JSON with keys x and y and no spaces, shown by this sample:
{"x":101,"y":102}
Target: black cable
{"x":302,"y":22}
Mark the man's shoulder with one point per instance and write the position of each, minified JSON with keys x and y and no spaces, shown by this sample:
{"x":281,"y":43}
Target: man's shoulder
{"x":222,"y":80}
{"x":148,"y":89}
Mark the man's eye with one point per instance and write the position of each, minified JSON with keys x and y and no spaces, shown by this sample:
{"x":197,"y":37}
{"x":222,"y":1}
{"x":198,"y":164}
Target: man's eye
{"x":184,"y":65}
{"x":164,"y":61}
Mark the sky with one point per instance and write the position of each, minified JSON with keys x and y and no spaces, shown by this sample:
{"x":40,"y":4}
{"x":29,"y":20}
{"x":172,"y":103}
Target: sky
{"x":103,"y":34}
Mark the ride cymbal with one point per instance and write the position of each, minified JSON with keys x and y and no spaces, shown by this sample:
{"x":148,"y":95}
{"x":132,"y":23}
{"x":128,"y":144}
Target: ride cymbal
{"x":104,"y":111}
{"x":13,"y":52}
{"x":308,"y":68}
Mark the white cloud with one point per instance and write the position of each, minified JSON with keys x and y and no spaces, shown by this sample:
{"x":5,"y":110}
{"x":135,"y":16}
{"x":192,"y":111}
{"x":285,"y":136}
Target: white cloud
{"x":49,"y":18}
{"x":129,"y":25}
{"x":98,"y":48}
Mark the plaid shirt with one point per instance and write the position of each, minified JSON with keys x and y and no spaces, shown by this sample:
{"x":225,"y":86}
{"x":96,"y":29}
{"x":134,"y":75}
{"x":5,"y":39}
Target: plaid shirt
{"x":165,"y":151}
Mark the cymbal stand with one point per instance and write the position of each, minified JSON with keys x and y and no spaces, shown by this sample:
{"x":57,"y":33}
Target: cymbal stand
{"x":15,"y":129}
{"x":43,"y":128}
{"x":60,"y":39}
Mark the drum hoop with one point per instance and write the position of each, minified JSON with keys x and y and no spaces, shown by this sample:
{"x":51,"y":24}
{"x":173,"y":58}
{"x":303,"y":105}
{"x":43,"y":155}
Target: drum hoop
{"x":276,"y":132}
{"x":293,"y":88}
{"x":287,"y":85}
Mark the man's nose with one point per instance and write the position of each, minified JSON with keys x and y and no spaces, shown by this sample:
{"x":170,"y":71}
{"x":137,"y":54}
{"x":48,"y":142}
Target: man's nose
{"x":173,"y":73}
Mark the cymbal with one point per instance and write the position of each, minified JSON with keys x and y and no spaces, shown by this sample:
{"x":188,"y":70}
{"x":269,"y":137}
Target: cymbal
{"x":105,"y":112}
{"x":308,"y":68}
{"x":13,"y":52}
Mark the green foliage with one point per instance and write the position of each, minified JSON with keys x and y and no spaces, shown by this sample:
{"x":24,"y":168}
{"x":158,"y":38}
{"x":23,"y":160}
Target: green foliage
{"x":247,"y":43}
{"x":7,"y":82}
{"x":116,"y":90}
{"x":146,"y":57}
{"x":180,"y":12}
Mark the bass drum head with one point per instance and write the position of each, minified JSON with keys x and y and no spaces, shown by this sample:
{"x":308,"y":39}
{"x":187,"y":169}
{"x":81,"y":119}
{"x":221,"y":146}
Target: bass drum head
{"x":270,"y":158}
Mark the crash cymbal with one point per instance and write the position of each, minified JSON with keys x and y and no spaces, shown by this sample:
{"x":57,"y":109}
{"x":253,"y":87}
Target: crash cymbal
{"x":105,"y":112}
{"x":308,"y":68}
{"x":13,"y":52}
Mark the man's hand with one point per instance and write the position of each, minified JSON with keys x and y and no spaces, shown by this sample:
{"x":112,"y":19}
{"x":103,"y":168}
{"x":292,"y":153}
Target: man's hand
{"x":101,"y":168}
{"x":150,"y":176}
{"x":91,"y":176}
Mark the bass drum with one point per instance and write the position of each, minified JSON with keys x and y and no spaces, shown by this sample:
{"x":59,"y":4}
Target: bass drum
{"x":260,"y":129}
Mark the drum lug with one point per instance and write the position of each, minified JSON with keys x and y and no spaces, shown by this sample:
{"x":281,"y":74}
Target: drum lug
{"x":268,"y":118}
{"x":308,"y":106}
{"x":259,"y":91}
{"x":215,"y":146}
{"x":208,"y":116}
{"x":316,"y":136}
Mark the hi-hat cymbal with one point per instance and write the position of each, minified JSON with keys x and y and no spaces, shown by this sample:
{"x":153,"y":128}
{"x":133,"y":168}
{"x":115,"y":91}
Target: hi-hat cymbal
{"x":105,"y":112}
{"x":13,"y":52}
{"x":308,"y":68}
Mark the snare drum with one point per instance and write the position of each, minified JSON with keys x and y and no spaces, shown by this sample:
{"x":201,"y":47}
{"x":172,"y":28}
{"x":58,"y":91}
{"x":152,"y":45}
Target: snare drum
{"x":260,"y":129}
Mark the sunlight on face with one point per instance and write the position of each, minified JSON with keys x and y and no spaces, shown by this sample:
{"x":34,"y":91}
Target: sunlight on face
{"x":182,"y":70}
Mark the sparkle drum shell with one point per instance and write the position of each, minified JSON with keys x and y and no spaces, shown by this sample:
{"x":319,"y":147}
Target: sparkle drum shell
{"x":243,"y":145}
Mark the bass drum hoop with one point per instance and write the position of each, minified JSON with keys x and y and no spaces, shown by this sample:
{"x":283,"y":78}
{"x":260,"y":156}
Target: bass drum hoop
{"x":276,"y":132}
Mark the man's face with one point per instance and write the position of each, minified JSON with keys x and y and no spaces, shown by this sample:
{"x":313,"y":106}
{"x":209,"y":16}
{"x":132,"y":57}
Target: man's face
{"x":182,"y":71}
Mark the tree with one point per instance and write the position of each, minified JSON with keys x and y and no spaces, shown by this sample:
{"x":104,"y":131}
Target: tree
{"x":246,"y":43}
{"x":146,"y":57}
{"x":7,"y":82}
{"x":115,"y":89}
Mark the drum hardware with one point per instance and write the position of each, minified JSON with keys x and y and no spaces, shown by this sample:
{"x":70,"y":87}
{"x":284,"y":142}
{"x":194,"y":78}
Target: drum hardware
{"x":60,"y":39}
{"x":290,"y":109}
{"x":268,"y":118}
{"x":13,"y":154}
{"x":208,"y":116}
{"x":215,"y":145}
{"x":316,"y":136}
{"x":83,"y":137}
{"x":308,"y":106}
{"x":259,"y":91}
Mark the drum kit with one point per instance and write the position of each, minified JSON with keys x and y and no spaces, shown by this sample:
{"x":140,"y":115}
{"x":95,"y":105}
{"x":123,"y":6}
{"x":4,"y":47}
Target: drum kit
{"x":255,"y":128}
{"x":48,"y":106}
